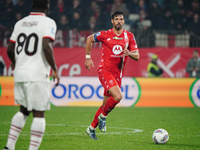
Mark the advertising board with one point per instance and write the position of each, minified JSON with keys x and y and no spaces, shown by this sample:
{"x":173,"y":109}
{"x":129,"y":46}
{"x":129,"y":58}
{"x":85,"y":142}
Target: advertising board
{"x":137,"y":92}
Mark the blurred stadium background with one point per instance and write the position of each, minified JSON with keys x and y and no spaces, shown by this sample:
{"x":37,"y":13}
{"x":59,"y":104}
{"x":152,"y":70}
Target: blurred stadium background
{"x":168,"y":28}
{"x":165,"y":23}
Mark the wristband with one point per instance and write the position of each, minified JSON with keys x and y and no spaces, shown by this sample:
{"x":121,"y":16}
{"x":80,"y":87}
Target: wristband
{"x":87,"y":56}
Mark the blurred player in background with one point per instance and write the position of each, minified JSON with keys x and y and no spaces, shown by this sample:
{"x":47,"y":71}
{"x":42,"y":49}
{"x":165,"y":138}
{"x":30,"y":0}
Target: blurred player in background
{"x":153,"y":69}
{"x":117,"y":44}
{"x":31,"y":53}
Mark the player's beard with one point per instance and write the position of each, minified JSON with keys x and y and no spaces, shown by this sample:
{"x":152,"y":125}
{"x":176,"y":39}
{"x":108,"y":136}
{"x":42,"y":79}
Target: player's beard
{"x":118,"y":26}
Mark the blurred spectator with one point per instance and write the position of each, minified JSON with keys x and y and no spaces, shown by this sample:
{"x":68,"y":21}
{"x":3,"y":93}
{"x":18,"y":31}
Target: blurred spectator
{"x":93,"y":24}
{"x":153,"y":69}
{"x":169,"y":20}
{"x":162,"y":3}
{"x":189,"y":16}
{"x":157,"y":16}
{"x":103,"y":19}
{"x":14,"y":2}
{"x":181,"y":20}
{"x":18,"y":16}
{"x":143,"y":25}
{"x":76,"y":23}
{"x":1,"y":68}
{"x":142,"y":6}
{"x":63,"y":24}
{"x":165,"y":15}
{"x":76,"y":7}
{"x":180,"y":4}
{"x":172,"y":4}
{"x":19,"y":8}
{"x":58,"y":10}
{"x":91,"y":9}
{"x":119,"y":5}
{"x":143,"y":17}
{"x":133,"y":6}
{"x":195,"y":6}
{"x":6,"y":13}
{"x":193,"y":28}
{"x":193,"y":65}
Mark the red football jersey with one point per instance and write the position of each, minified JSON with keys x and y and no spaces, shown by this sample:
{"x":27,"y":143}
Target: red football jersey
{"x":112,"y":58}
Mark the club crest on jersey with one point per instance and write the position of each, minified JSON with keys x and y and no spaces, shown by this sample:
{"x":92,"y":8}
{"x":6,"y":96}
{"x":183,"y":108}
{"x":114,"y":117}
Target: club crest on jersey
{"x":117,"y":49}
{"x":117,"y":38}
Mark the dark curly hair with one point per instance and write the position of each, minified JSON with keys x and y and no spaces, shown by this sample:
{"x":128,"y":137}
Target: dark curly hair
{"x":117,"y":13}
{"x":40,"y":4}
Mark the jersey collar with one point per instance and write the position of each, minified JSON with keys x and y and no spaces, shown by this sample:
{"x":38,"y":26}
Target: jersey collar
{"x":118,"y":34}
{"x":37,"y":13}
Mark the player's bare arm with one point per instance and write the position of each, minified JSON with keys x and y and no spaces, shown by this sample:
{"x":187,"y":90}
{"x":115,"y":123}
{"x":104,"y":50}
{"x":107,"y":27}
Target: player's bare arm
{"x":48,"y":53}
{"x":132,"y":54}
{"x":88,"y":60}
{"x":11,"y":53}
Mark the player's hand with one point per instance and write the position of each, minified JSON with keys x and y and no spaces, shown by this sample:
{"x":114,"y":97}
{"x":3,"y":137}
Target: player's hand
{"x":126,"y":52}
{"x":12,"y":66}
{"x":89,"y":63}
{"x":55,"y":76}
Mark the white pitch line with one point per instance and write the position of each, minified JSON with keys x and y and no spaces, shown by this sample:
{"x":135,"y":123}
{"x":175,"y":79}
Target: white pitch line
{"x":129,"y":132}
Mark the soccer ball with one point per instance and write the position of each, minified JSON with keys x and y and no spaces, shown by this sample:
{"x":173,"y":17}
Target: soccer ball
{"x":160,"y":136}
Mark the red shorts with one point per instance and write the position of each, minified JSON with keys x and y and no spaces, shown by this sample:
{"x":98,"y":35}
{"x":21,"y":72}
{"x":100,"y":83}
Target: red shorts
{"x":108,"y":80}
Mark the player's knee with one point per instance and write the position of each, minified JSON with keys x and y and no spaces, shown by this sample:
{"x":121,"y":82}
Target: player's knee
{"x":118,"y":97}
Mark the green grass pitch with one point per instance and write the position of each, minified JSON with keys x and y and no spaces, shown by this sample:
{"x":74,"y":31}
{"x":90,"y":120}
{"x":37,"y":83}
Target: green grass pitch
{"x":127,"y":129}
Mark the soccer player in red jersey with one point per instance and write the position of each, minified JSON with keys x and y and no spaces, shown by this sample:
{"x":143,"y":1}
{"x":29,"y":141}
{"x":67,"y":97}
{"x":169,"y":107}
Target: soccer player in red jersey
{"x":117,"y":44}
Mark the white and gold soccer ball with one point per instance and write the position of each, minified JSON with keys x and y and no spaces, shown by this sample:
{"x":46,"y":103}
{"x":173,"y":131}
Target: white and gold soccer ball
{"x":160,"y":136}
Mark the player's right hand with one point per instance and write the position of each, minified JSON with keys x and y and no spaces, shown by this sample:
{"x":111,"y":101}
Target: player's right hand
{"x":89,"y":63}
{"x":55,"y":76}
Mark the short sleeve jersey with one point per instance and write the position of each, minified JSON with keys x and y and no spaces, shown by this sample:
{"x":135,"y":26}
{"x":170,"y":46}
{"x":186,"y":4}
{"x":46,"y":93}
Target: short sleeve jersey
{"x":28,"y":35}
{"x":112,"y":58}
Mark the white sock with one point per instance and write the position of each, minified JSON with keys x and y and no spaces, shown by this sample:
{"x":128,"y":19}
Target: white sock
{"x":91,"y":128}
{"x":37,"y":132}
{"x":17,"y":124}
{"x":102,"y":115}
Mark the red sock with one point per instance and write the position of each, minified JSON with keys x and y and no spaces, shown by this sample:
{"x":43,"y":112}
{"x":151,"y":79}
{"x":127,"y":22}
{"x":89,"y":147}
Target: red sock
{"x":110,"y":104}
{"x":94,"y":123}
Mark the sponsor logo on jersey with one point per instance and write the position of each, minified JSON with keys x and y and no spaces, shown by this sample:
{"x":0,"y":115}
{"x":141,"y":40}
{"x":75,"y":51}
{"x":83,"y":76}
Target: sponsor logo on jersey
{"x":98,"y":33}
{"x":117,"y":38}
{"x":117,"y":49}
